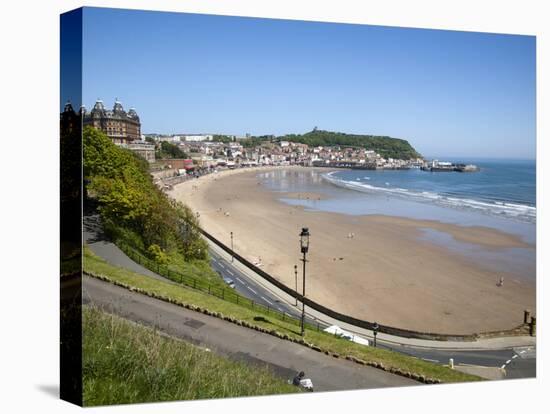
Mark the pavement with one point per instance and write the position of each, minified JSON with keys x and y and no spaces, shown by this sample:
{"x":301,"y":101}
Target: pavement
{"x":491,"y":373}
{"x":238,"y":343}
{"x":93,"y":236}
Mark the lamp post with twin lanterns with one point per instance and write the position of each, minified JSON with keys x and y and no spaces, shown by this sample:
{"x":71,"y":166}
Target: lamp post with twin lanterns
{"x":304,"y":246}
{"x":375,"y":332}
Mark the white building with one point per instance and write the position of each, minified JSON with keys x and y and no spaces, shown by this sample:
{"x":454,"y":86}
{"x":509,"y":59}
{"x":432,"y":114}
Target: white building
{"x":370,"y":154}
{"x":198,"y":137}
{"x":168,"y":138}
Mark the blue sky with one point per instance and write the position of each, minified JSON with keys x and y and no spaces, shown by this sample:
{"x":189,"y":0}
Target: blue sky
{"x":448,"y":93}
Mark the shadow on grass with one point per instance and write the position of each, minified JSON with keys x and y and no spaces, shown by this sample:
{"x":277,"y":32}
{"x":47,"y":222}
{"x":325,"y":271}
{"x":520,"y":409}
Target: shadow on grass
{"x":281,"y":327}
{"x":262,"y":319}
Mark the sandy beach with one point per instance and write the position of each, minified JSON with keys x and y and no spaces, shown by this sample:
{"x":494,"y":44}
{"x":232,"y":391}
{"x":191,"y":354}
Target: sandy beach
{"x":384,"y":273}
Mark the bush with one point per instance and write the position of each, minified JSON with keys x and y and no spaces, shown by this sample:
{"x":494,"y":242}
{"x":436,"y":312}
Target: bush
{"x":156,"y":253}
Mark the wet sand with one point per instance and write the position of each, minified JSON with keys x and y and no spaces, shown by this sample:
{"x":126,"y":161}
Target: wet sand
{"x":384,"y":272}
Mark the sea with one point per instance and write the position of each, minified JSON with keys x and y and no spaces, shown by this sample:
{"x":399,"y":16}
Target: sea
{"x":501,"y":195}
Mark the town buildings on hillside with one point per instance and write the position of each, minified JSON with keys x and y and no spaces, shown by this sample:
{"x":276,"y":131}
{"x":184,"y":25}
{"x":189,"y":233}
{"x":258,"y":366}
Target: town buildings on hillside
{"x":210,"y":154}
{"x":204,"y":152}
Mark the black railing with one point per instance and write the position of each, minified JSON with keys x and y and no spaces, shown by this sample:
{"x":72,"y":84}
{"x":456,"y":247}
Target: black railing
{"x":226,"y":294}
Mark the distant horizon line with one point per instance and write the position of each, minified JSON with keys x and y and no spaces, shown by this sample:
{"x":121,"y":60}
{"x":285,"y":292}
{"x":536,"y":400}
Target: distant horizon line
{"x":479,"y":158}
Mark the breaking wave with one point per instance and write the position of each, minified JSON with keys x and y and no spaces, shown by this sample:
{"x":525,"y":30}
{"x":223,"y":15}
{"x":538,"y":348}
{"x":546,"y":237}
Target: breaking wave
{"x":516,"y":211}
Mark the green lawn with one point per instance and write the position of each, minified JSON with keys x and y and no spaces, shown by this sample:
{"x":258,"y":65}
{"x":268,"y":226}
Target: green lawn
{"x":127,"y":363}
{"x":177,"y":268}
{"x":260,"y":318}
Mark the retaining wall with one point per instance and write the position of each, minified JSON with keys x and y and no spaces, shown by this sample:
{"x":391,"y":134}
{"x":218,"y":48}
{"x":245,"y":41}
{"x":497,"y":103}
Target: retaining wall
{"x":359,"y":322}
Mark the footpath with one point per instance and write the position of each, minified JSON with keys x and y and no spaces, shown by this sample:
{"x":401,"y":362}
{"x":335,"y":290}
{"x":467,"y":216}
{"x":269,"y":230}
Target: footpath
{"x":238,"y":343}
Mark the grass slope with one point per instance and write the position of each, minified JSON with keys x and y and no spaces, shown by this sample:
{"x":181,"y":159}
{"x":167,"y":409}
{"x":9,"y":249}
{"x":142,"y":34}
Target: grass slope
{"x":327,"y":342}
{"x":127,"y":363}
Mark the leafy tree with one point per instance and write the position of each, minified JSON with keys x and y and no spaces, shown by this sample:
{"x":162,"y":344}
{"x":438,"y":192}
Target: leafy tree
{"x":132,"y":206}
{"x":169,"y":150}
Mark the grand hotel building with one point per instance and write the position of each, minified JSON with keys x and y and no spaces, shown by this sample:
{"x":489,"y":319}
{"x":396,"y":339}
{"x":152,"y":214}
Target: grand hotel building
{"x":121,"y":126}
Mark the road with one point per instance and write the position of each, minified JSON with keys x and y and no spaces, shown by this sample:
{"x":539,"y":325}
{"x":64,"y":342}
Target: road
{"x":256,"y":289}
{"x":283,"y":357}
{"x":257,"y":292}
{"x":522,"y":360}
{"x":515,"y":363}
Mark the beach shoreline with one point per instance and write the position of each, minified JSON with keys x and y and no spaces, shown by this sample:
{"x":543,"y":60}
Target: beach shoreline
{"x":372,"y":267}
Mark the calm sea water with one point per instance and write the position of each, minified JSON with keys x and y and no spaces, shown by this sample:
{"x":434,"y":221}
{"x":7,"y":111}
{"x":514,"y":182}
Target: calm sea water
{"x":502,"y":195}
{"x":500,"y":188}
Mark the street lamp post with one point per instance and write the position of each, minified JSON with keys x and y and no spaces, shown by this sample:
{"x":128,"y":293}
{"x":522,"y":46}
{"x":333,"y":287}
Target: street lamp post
{"x":232,"y":252}
{"x":375,"y":332}
{"x":296,"y":282}
{"x":304,"y":246}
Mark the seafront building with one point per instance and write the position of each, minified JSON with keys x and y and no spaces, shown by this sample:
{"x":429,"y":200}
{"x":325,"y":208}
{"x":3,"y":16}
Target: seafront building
{"x":121,"y":126}
{"x":211,"y":154}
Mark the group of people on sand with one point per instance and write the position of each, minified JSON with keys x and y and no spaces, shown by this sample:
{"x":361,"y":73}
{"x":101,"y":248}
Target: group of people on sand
{"x":225,"y":213}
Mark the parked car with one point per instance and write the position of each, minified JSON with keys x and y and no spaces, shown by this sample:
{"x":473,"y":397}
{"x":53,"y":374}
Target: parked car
{"x":229,"y":282}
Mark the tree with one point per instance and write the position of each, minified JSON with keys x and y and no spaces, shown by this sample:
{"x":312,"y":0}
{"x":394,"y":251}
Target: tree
{"x":169,"y":150}
{"x":131,"y":205}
